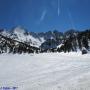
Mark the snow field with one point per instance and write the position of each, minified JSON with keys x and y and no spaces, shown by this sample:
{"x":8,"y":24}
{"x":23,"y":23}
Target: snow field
{"x":46,"y":71}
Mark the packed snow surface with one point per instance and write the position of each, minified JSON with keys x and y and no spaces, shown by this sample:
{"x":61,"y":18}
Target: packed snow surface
{"x":46,"y":71}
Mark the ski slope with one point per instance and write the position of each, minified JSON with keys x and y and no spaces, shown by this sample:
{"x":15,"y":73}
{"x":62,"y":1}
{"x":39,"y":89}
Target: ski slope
{"x":46,"y":71}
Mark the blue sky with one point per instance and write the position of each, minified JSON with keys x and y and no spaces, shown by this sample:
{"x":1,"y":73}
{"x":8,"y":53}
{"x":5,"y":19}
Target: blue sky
{"x":45,"y":15}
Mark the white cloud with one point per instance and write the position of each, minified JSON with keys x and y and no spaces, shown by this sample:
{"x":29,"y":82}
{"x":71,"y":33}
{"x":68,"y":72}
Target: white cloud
{"x":58,"y":8}
{"x":43,"y":15}
{"x":70,"y":18}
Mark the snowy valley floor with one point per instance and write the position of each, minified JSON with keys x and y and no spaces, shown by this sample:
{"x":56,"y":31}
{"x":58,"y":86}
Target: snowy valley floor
{"x":47,"y":71}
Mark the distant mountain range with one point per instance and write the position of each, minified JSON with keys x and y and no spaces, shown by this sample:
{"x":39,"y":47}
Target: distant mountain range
{"x":19,"y":37}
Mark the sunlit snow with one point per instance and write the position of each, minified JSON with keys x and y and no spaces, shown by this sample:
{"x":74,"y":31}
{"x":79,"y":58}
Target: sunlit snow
{"x":46,"y":71}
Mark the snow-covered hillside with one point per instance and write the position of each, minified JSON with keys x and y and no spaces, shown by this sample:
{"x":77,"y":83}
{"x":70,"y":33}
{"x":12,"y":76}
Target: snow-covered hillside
{"x":21,"y":34}
{"x":24,"y":36}
{"x":52,"y":41}
{"x":46,"y":71}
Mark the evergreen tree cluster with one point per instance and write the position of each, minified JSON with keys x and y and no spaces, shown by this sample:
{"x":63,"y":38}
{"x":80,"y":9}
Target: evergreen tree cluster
{"x":8,"y":45}
{"x":76,"y":42}
{"x":71,"y":41}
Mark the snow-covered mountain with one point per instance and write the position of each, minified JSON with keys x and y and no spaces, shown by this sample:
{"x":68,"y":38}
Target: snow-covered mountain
{"x":21,"y":34}
{"x":34,"y":39}
{"x":69,"y":41}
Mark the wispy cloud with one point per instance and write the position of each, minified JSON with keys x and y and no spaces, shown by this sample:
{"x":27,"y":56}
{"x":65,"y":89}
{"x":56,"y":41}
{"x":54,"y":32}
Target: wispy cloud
{"x":71,"y":18}
{"x":43,"y":15}
{"x":58,"y":8}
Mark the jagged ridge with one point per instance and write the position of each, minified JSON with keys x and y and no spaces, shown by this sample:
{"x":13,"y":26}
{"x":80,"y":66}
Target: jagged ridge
{"x":42,"y":42}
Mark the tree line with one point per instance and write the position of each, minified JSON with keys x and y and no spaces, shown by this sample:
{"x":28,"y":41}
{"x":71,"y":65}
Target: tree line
{"x":8,"y":45}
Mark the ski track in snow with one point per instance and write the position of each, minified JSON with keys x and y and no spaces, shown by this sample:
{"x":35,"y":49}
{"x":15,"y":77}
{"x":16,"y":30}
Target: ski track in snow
{"x":46,"y":71}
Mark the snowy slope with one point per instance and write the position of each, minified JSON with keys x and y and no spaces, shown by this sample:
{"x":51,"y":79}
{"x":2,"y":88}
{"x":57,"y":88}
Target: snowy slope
{"x":34,"y":39}
{"x":21,"y":34}
{"x":68,"y":41}
{"x":47,"y":71}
